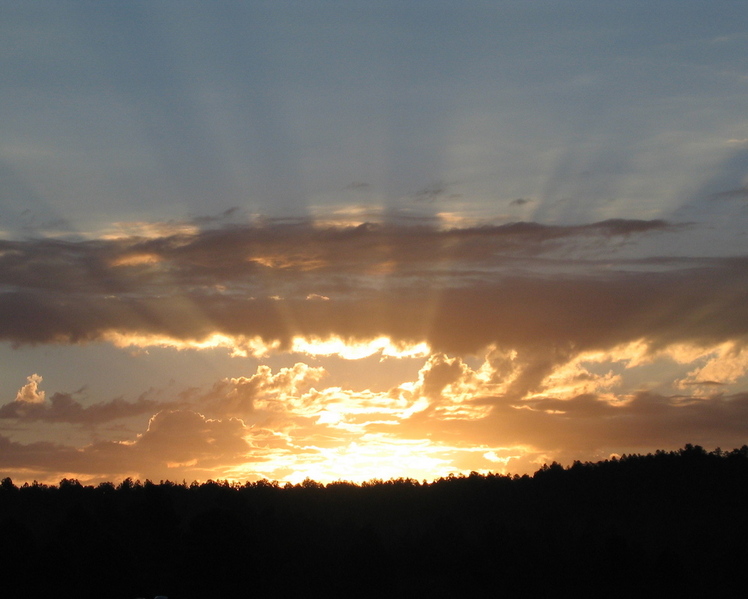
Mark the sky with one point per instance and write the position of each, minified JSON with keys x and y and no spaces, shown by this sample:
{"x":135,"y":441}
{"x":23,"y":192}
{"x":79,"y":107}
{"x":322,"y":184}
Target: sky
{"x":355,"y":240}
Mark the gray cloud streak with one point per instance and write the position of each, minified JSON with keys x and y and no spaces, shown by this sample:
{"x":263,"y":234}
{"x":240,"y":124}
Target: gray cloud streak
{"x":458,"y":290}
{"x":62,"y":407}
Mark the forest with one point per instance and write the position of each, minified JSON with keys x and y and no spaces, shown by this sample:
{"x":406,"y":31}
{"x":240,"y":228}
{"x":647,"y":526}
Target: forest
{"x":665,"y":524}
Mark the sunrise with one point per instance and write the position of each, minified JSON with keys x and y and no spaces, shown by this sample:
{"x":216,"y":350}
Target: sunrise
{"x":329,"y":243}
{"x":340,"y":241}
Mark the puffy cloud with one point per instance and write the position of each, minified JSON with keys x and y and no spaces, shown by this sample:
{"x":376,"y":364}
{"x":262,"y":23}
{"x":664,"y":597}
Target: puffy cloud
{"x":237,"y":396}
{"x":30,"y":393}
{"x":443,"y":374}
{"x":446,"y":387}
{"x":451,"y":417}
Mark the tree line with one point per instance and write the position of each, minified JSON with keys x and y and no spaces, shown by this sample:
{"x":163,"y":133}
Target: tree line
{"x":661,"y":524}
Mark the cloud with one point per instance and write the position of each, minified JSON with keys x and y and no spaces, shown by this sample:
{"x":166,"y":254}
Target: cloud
{"x":238,"y":396}
{"x":566,"y":319}
{"x":448,"y":385}
{"x":187,"y":437}
{"x":30,"y":393}
{"x":546,"y":293}
{"x":546,"y":315}
{"x":591,"y":425}
{"x":430,"y":193}
{"x":727,"y":180}
{"x":452,"y":416}
{"x":442,"y":374}
{"x":726,"y":364}
{"x":61,"y":291}
{"x":740,"y":193}
{"x":264,"y":260}
{"x":63,"y":408}
{"x":177,"y":444}
{"x":42,"y":458}
{"x":31,"y":405}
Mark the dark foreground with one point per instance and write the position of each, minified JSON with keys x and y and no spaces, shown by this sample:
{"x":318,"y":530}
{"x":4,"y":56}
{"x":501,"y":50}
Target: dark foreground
{"x":672,"y":524}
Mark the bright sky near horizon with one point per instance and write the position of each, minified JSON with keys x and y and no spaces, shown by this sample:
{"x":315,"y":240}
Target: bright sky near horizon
{"x":348,"y":240}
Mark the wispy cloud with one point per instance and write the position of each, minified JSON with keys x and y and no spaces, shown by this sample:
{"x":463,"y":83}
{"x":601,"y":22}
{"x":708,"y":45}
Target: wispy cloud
{"x":741,"y":193}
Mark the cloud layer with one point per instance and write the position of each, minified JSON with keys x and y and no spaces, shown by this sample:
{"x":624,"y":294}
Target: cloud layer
{"x":535,"y":342}
{"x":457,"y":290}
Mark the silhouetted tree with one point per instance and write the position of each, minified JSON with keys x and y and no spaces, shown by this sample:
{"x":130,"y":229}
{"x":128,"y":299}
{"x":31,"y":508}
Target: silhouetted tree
{"x":670,"y":522}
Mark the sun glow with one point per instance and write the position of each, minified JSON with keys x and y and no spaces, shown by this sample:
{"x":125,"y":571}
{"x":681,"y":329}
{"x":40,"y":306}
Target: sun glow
{"x":371,"y":457}
{"x":283,"y":261}
{"x":137,"y":259}
{"x":383,"y":456}
{"x":356,"y":350}
{"x":240,"y":346}
{"x":256,"y":347}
